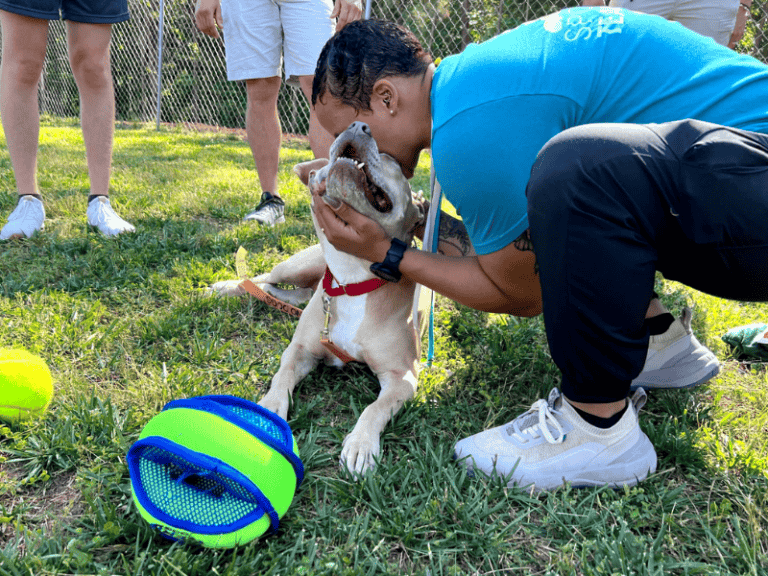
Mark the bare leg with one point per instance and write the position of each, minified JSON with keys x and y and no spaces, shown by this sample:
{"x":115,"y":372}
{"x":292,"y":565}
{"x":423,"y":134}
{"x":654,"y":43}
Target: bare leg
{"x":319,"y":140}
{"x":89,"y":58}
{"x":24,"y":43}
{"x":262,"y":128}
{"x":655,"y":308}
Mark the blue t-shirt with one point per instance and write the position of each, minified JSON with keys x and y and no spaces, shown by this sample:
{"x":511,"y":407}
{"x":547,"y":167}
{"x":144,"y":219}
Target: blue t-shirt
{"x":496,"y":104}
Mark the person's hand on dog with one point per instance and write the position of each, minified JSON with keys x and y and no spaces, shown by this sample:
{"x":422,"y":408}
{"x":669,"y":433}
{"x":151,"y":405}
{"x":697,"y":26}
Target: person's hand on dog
{"x":347,"y":229}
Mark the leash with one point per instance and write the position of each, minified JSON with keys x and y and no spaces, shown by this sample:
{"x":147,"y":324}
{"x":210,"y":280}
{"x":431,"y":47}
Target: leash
{"x":431,"y":237}
{"x":356,"y":289}
{"x":253,"y":290}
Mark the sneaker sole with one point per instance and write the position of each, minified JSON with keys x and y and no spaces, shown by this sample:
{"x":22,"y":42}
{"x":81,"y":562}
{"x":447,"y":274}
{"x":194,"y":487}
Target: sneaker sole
{"x":279,"y":220}
{"x":630,"y":479}
{"x":691,"y":366}
{"x":623,"y":474}
{"x":680,"y":379}
{"x":95,"y":229}
{"x":21,"y":235}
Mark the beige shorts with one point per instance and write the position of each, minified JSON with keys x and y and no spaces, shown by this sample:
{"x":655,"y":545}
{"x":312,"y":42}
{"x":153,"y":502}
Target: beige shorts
{"x":260,"y":34}
{"x":713,"y":18}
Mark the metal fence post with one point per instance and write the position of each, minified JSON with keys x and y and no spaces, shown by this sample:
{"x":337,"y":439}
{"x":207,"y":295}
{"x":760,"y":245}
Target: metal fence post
{"x":159,"y":61}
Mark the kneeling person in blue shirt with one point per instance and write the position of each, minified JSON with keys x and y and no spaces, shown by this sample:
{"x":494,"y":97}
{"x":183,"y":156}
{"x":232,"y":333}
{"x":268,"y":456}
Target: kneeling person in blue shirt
{"x":536,"y":140}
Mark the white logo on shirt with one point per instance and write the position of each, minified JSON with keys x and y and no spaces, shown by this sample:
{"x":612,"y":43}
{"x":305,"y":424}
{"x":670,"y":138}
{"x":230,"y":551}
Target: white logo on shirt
{"x":577,"y":28}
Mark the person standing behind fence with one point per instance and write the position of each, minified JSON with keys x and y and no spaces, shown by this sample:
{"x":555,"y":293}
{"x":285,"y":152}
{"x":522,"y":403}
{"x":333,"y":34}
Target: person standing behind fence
{"x":25,"y":34}
{"x":722,"y":20}
{"x":256,"y":33}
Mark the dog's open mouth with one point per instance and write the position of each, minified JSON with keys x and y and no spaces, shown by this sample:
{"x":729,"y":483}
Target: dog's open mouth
{"x":349,"y":163}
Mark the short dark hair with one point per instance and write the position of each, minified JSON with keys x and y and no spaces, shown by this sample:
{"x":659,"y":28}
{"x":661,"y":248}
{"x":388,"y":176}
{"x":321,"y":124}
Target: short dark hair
{"x":360,"y":54}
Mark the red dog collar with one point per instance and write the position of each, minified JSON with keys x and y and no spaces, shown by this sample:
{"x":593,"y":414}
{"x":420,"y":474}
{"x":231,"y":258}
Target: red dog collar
{"x":357,"y":289}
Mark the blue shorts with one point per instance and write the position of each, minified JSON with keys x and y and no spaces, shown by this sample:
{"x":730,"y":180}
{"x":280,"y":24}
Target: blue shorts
{"x":86,"y":11}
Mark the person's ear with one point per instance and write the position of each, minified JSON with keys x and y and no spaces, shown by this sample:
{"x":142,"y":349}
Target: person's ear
{"x":384,"y":96}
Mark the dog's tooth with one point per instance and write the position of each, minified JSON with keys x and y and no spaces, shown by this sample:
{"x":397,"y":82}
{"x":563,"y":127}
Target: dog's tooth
{"x":361,"y":165}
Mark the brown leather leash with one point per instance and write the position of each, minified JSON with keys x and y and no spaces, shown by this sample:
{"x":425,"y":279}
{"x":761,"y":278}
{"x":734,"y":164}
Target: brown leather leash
{"x":255,"y":291}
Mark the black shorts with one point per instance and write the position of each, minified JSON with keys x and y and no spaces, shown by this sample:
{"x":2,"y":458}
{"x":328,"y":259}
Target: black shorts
{"x":85,"y":11}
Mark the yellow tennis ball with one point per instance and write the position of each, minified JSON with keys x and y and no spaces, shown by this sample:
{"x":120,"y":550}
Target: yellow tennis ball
{"x":26,"y":386}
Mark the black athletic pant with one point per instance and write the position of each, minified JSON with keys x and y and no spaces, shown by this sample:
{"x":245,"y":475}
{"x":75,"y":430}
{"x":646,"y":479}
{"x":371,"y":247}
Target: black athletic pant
{"x":609,"y":205}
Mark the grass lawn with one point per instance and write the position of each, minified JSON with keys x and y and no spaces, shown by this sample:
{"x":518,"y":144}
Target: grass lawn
{"x":125,"y":327}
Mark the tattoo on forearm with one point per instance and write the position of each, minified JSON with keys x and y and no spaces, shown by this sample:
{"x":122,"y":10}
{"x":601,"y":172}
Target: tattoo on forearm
{"x":453,"y":233}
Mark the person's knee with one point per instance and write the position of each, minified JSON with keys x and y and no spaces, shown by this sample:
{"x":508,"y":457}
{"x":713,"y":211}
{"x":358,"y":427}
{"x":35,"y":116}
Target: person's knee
{"x":263,"y":92}
{"x":574,"y":157}
{"x":91,"y":71}
{"x":25,"y":71}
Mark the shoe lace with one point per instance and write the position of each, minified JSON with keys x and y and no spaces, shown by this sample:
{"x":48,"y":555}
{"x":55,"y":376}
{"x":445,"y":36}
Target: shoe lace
{"x":104,"y":211}
{"x":536,"y":422}
{"x":24,"y":209}
{"x":273,"y":201}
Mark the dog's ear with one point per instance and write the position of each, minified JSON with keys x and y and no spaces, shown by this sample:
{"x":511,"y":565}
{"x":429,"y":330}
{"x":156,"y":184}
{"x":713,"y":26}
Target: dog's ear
{"x":302,"y":170}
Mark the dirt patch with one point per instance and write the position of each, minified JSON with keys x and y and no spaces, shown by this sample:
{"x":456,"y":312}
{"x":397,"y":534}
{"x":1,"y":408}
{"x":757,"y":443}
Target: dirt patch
{"x":43,"y":505}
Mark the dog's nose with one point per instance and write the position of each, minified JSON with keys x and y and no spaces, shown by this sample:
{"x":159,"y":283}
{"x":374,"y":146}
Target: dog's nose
{"x":357,"y":127}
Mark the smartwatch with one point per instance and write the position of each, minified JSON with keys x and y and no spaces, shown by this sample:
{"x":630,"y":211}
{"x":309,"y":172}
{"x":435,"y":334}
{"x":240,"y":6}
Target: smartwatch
{"x":389,"y":270}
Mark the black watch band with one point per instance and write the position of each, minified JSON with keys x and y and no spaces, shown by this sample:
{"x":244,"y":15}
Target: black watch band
{"x":389,"y":270}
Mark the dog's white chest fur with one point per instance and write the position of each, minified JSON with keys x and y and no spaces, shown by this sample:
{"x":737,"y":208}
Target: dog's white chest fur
{"x":348,"y":312}
{"x":374,"y":328}
{"x":348,"y":317}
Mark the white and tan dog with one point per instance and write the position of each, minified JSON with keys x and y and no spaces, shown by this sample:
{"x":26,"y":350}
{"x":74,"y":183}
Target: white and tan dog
{"x":376,"y":327}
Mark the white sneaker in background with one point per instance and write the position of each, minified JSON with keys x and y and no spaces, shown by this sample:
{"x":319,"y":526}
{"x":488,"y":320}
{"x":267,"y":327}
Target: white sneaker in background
{"x":103,"y":216}
{"x":270,"y":211}
{"x":27,"y":218}
{"x":551,"y":444}
{"x":676,"y":359}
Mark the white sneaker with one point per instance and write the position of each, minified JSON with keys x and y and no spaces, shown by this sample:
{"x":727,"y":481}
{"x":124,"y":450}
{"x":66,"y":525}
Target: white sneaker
{"x":270,"y":211}
{"x":551,"y":444}
{"x":676,"y":359}
{"x":103,"y":216}
{"x":27,"y":218}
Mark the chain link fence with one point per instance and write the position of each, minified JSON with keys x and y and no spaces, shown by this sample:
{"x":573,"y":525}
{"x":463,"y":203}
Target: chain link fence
{"x":191,"y":87}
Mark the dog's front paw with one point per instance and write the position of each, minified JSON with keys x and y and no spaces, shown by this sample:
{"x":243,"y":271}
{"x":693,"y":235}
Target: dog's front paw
{"x":226,"y":288}
{"x":277,"y":402}
{"x":359,"y":453}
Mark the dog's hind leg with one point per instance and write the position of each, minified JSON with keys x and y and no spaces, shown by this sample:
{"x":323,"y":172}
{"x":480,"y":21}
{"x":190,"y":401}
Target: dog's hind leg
{"x":226,"y":288}
{"x":362,"y":446}
{"x":304,"y":269}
